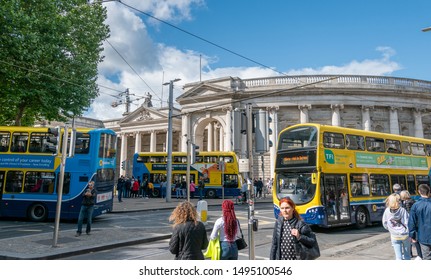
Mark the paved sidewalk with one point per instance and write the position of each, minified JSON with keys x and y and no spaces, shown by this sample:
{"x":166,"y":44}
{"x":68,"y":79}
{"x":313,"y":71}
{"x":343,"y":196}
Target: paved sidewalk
{"x":39,"y":246}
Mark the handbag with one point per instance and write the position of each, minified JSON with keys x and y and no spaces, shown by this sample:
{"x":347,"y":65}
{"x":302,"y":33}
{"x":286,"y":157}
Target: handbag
{"x":240,"y":242}
{"x":309,"y":253}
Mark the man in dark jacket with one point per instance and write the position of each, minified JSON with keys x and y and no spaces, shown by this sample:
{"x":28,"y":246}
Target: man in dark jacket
{"x":87,"y":207}
{"x":419,"y":221}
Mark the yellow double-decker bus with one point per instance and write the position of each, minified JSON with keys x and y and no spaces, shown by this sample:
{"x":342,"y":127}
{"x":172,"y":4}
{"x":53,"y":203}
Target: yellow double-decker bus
{"x":216,"y":168}
{"x":341,"y":176}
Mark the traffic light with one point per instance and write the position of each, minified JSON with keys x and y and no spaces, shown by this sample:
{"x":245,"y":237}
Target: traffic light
{"x":53,"y":140}
{"x":195,"y":153}
{"x":123,"y":165}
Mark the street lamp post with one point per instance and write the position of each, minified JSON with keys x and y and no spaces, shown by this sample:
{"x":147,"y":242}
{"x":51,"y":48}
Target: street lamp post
{"x":169,"y":144}
{"x":426,"y":29}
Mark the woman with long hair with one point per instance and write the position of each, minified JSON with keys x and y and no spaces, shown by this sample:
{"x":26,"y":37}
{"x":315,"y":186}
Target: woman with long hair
{"x":227,"y":229}
{"x":189,"y":236}
{"x":289,"y":230}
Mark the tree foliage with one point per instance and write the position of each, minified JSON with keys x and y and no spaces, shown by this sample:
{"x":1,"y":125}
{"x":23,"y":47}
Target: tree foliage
{"x":49,"y":52}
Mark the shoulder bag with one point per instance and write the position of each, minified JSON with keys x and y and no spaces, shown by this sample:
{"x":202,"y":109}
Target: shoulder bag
{"x":240,"y":242}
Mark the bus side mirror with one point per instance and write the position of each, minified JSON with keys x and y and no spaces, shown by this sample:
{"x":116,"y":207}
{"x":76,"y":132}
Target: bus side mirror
{"x":314,"y":178}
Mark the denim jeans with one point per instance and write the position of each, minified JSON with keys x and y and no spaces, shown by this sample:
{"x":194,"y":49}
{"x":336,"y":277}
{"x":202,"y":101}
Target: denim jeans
{"x":85,"y":212}
{"x":228,"y":250}
{"x":402,"y":248}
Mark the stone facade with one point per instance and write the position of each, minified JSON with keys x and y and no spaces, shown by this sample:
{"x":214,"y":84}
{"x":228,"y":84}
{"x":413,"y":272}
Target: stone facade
{"x":210,"y":110}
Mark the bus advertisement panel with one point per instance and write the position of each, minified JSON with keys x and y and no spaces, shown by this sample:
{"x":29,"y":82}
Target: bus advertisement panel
{"x":341,"y":176}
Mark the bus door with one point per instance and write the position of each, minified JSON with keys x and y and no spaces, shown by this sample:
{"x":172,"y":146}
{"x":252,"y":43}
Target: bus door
{"x":1,"y":183}
{"x":334,"y":198}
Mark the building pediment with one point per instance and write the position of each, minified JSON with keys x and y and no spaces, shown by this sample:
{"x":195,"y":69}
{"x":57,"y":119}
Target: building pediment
{"x":143,"y":114}
{"x":210,"y":88}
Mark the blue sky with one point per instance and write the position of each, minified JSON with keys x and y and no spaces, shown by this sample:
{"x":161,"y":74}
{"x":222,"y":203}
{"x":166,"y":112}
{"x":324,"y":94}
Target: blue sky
{"x":380,"y":37}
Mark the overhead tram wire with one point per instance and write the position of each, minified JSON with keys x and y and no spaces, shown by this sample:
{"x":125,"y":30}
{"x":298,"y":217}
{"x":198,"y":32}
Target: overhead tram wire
{"x":122,"y":57}
{"x":51,"y":76}
{"x":203,"y":39}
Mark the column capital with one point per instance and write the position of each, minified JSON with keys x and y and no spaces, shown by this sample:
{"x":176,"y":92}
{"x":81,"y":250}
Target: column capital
{"x":396,"y":108}
{"x":304,"y":106}
{"x":273,"y":108}
{"x":226,"y":108}
{"x":367,"y":107}
{"x":337,"y":106}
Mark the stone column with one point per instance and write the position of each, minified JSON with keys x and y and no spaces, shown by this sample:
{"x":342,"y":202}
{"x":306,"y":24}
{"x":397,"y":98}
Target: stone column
{"x":123,"y":153}
{"x":227,"y":131}
{"x":153,"y":141}
{"x":366,"y":119}
{"x":210,"y":144}
{"x":303,"y":113}
{"x":419,"y":130}
{"x":185,"y":130}
{"x":336,"y":119}
{"x":138,"y":142}
{"x":394,"y":127}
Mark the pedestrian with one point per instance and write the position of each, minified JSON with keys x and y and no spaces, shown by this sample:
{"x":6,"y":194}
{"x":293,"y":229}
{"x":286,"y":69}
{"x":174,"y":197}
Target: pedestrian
{"x":189,"y":235}
{"x":289,"y":230}
{"x":120,"y":187}
{"x":192,"y":189}
{"x":407,"y":203}
{"x":163,"y":186}
{"x":244,"y":191}
{"x":395,"y":219}
{"x":396,"y":188}
{"x":87,"y":207}
{"x":226,"y":228}
{"x":419,"y":221}
{"x":201,"y":187}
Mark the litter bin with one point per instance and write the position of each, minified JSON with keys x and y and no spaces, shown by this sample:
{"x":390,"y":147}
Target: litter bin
{"x":202,"y":209}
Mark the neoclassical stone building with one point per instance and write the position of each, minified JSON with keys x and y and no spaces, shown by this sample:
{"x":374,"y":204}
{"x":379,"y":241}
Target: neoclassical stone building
{"x":210,"y":112}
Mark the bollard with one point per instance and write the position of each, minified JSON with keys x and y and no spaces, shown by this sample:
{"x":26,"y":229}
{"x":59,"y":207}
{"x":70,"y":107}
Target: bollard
{"x":202,"y":209}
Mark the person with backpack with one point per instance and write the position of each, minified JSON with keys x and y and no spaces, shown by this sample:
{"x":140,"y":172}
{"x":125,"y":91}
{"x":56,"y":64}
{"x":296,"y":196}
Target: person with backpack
{"x":395,"y":220}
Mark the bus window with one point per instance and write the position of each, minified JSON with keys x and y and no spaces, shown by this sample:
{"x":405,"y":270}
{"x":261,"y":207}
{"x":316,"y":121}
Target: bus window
{"x":333,"y":140}
{"x":66,"y":183}
{"x":298,"y":138}
{"x":14,"y":181}
{"x":230,"y":181}
{"x":143,"y":159}
{"x":405,"y":147}
{"x":39,"y":182}
{"x":428,"y":150}
{"x":375,"y":144}
{"x":418,"y":149}
{"x":82,"y":144}
{"x":422,"y":179}
{"x":4,"y":141}
{"x":210,"y":159}
{"x":226,"y":159}
{"x":19,"y":140}
{"x":359,"y":185}
{"x":379,"y":185}
{"x":411,"y":186}
{"x":393,"y":146}
{"x":399,"y":179}
{"x":355,"y":142}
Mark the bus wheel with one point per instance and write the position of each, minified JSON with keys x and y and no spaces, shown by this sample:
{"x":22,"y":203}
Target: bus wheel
{"x":211,"y":193}
{"x":156,"y":193}
{"x":37,"y":212}
{"x":361,"y":218}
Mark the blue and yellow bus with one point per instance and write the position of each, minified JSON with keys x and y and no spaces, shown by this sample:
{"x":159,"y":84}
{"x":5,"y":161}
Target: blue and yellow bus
{"x":29,"y":172}
{"x":341,"y":176}
{"x":216,"y":169}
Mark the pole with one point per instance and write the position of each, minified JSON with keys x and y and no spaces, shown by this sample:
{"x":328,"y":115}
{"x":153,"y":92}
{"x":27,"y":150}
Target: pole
{"x":169,"y":159}
{"x":60,"y":186}
{"x":249,"y":113}
{"x":188,"y":169}
{"x":221,"y":165}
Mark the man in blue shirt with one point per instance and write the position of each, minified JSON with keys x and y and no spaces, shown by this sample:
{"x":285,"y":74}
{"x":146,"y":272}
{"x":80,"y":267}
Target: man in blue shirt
{"x":420,"y":221}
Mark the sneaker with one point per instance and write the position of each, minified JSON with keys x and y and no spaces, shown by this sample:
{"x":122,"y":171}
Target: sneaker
{"x":88,"y":233}
{"x":77,"y":234}
{"x":418,"y":258}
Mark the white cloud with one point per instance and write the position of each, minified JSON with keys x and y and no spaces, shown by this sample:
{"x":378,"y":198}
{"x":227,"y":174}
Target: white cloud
{"x":381,"y":66}
{"x":154,"y":63}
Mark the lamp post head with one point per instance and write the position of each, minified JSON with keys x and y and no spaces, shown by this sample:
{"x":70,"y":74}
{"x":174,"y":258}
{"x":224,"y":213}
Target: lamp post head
{"x":426,"y":29}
